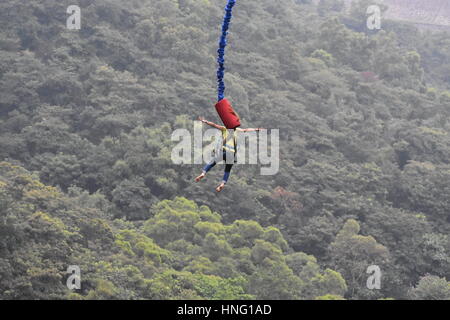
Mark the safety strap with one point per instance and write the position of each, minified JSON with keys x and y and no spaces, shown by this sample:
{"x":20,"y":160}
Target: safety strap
{"x":226,"y":146}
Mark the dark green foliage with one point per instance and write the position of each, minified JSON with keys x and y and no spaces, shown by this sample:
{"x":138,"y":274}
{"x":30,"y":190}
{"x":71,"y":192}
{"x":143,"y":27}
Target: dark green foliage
{"x":182,"y":252}
{"x":86,"y":118}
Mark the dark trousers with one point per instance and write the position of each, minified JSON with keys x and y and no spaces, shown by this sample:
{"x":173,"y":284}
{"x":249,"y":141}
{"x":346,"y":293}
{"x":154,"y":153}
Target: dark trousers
{"x":228,"y":167}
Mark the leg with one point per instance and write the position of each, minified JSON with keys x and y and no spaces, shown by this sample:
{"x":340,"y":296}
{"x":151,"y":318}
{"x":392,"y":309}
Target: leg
{"x":226,"y":176}
{"x":207,"y":168}
{"x":227,"y":172}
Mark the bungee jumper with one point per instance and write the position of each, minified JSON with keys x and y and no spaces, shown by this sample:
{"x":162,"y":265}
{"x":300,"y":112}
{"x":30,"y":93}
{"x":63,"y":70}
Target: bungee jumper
{"x":226,"y":152}
{"x":226,"y":112}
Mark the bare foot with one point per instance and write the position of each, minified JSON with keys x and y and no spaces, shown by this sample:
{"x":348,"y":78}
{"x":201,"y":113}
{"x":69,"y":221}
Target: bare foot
{"x":200,"y":177}
{"x":220,"y":188}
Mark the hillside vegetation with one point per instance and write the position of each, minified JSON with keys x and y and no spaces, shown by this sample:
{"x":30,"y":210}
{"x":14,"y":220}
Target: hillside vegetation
{"x":86,"y":176}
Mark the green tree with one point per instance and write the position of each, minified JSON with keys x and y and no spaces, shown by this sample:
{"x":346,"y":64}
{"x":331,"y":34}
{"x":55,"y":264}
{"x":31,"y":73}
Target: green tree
{"x":431,"y":288}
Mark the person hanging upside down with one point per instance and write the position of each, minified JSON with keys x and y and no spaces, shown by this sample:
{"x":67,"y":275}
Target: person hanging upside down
{"x":229,"y":150}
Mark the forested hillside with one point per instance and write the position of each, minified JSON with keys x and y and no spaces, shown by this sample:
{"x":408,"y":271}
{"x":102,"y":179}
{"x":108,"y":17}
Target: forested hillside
{"x":434,"y":12}
{"x":86,"y":176}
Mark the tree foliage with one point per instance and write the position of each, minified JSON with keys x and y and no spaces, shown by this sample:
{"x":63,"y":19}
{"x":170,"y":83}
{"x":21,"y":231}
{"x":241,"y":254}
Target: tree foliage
{"x":86,"y":119}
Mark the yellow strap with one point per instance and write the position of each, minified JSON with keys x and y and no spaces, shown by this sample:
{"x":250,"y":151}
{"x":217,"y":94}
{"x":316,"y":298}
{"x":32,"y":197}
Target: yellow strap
{"x":226,"y":146}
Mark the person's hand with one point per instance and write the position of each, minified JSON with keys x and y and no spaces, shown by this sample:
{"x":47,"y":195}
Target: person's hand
{"x":201,"y":119}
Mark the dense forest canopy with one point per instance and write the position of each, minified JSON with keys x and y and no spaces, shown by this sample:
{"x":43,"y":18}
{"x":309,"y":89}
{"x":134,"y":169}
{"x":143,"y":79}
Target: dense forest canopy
{"x":86,"y":176}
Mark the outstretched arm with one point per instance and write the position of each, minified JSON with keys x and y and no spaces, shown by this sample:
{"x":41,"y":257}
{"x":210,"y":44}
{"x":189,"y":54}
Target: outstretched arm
{"x":209,"y":123}
{"x":250,"y":129}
